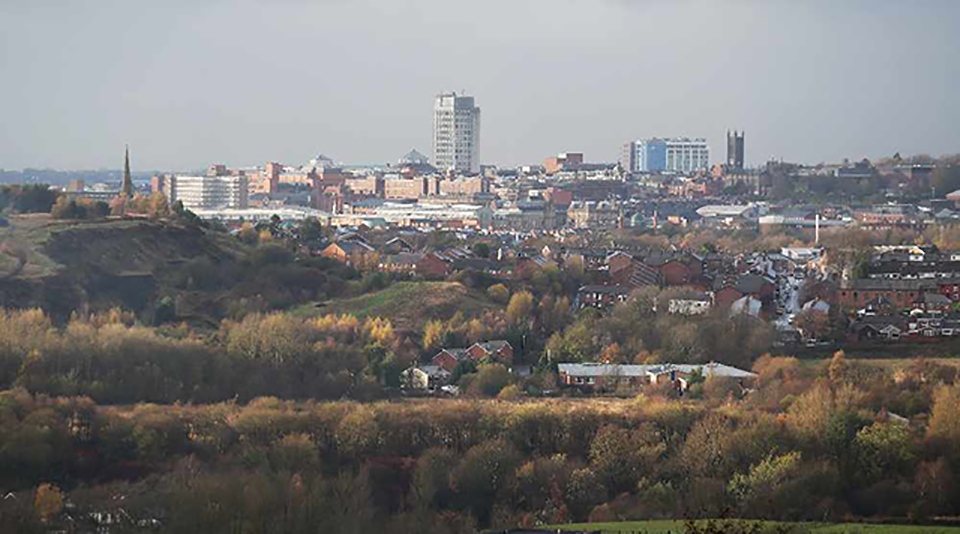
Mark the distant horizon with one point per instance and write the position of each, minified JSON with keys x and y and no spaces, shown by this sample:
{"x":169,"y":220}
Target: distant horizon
{"x":135,"y":171}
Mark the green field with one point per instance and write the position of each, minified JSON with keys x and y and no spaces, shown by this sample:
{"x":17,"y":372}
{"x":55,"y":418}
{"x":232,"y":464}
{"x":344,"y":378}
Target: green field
{"x":677,"y":527}
{"x":22,"y":242}
{"x":409,"y":304}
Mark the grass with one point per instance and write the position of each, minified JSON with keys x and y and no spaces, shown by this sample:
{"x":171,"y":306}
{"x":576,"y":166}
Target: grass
{"x":676,"y":527}
{"x":888,"y":364}
{"x":885,"y":351}
{"x":117,"y":246}
{"x":409,"y":304}
{"x":26,"y":237}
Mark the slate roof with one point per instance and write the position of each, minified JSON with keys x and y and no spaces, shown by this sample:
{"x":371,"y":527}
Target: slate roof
{"x":613,"y":290}
{"x":493,"y":345}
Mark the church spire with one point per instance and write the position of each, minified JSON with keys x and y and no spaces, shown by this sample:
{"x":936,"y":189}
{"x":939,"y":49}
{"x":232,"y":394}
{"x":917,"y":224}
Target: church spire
{"x":127,"y":189}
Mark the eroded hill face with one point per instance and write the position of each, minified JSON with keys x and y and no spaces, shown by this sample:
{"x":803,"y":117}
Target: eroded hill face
{"x":64,"y":267}
{"x":135,"y":248}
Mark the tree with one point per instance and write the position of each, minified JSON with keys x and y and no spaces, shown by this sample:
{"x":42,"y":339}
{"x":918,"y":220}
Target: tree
{"x":433,"y":334}
{"x":520,"y":308}
{"x":310,"y":230}
{"x":499,"y":293}
{"x":485,"y":472}
{"x":944,"y":427}
{"x":490,"y":379}
{"x":248,"y":234}
{"x":883,"y":450}
{"x":511,"y":392}
{"x":295,"y":453}
{"x":358,"y":433}
{"x":764,"y":479}
{"x":431,"y":478}
{"x":813,"y":324}
{"x":158,"y":206}
{"x":66,"y":208}
{"x":575,"y":344}
{"x":584,"y":492}
{"x":705,"y":452}
{"x":620,"y":456}
{"x":481,"y":249}
{"x":48,"y":501}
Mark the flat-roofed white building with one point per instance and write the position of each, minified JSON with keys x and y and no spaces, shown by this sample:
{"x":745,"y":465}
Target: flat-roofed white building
{"x":208,"y":192}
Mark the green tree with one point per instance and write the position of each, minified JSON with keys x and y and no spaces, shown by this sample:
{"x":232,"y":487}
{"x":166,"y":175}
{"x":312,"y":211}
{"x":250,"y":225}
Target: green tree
{"x":520,"y":308}
{"x":499,"y":293}
{"x":490,"y":379}
{"x":485,"y":473}
{"x":481,"y":249}
{"x":620,"y":456}
{"x":883,"y":450}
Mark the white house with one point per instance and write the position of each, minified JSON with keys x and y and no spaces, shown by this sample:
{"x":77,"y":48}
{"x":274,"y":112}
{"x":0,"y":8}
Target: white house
{"x":424,"y":377}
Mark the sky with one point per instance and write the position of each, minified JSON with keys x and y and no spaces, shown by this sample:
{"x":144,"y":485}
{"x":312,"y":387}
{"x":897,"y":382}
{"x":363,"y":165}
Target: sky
{"x":187,"y":83}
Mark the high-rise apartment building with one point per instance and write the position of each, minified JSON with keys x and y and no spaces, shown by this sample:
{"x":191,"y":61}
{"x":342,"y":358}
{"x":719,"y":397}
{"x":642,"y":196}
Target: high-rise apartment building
{"x":456,"y":133}
{"x":680,"y":155}
{"x":734,"y":150}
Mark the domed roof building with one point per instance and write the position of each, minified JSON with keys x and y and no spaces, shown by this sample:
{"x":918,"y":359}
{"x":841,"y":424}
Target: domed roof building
{"x":322,"y":162}
{"x":414,"y":158}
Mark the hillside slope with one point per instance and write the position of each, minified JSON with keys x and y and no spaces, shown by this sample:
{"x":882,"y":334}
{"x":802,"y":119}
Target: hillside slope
{"x":411,"y":304}
{"x":63,"y":266}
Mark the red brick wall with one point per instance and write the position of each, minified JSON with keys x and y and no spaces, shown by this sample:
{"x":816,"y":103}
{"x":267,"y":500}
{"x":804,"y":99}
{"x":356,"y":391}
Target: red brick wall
{"x":674,"y":273}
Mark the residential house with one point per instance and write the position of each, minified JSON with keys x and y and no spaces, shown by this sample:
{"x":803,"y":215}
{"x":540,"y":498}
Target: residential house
{"x":816,"y":305}
{"x":624,"y":270}
{"x":496,"y":350}
{"x":675,"y":273}
{"x":885,"y":327}
{"x":855,"y":294}
{"x":448,"y":359}
{"x":618,"y":261}
{"x":396,"y":245}
{"x":725,"y":296}
{"x":693,"y":305}
{"x":601,"y":297}
{"x":351,"y":252}
{"x":933,"y":302}
{"x":400,"y":262}
{"x":757,"y":286}
{"x":747,"y":305}
{"x":528,"y":266}
{"x":424,"y":377}
{"x":433,"y":264}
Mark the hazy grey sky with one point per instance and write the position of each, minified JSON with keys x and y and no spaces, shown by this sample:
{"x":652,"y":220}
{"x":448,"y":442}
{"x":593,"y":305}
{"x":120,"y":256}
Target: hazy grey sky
{"x":188,"y":83}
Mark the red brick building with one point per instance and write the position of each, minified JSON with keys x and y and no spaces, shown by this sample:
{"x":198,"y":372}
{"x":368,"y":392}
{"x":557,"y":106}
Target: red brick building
{"x":675,"y":273}
{"x":432,"y":265}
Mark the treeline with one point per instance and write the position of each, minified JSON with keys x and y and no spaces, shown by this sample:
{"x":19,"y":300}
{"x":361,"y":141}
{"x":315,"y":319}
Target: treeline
{"x":27,"y":198}
{"x":111,"y":359}
{"x":808,"y":444}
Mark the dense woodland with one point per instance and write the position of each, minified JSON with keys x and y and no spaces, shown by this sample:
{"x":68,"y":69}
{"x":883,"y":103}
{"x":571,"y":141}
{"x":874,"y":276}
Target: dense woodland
{"x":811,"y":443}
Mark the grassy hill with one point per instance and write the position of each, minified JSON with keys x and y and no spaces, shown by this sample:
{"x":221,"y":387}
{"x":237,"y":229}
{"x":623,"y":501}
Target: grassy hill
{"x":410,"y":304}
{"x":62,"y":266}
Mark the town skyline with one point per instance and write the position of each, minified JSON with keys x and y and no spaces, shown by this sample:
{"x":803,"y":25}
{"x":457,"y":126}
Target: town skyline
{"x":838,"y":82}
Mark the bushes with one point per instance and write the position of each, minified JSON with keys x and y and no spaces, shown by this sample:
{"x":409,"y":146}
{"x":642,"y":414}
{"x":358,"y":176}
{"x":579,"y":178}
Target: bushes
{"x":434,"y":462}
{"x":115,"y":361}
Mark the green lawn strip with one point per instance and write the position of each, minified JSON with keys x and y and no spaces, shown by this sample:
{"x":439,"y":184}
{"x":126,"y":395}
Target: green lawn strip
{"x":677,"y":526}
